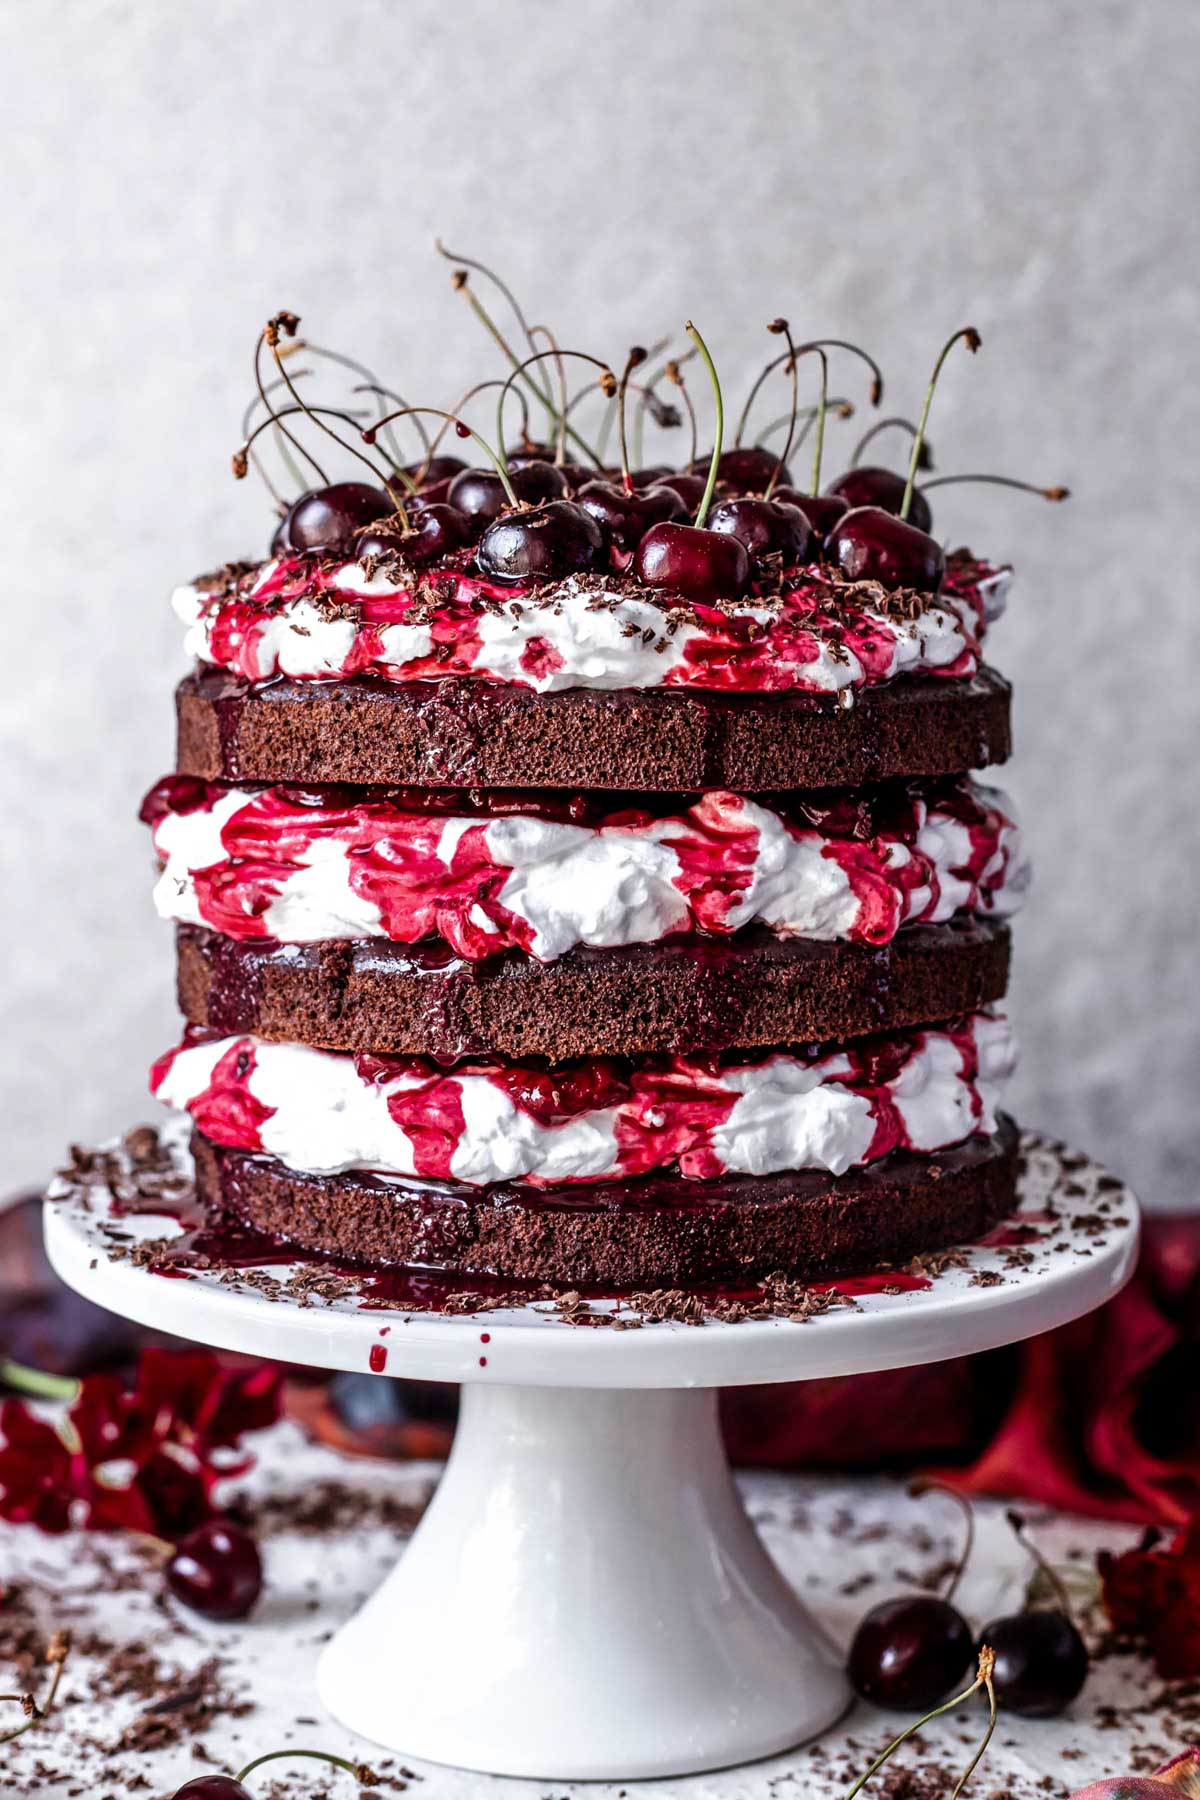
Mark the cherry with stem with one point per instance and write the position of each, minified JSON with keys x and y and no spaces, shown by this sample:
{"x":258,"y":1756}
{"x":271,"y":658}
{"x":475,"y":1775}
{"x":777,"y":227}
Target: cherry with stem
{"x":606,"y":375}
{"x":232,"y":1787}
{"x":1041,"y":1659}
{"x":968,"y":335}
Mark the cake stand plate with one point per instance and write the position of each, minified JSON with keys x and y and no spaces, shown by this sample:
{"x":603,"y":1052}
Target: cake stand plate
{"x":586,"y":1597}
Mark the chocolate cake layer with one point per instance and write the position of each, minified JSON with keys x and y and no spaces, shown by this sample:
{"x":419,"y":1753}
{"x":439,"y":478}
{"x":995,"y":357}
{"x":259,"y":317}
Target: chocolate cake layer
{"x":462,"y":733}
{"x":656,"y":1231}
{"x":684,"y":994}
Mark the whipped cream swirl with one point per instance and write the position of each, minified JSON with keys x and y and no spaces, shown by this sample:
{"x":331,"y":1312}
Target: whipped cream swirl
{"x":301,"y":867}
{"x":597,"y":1120}
{"x":317,"y":622}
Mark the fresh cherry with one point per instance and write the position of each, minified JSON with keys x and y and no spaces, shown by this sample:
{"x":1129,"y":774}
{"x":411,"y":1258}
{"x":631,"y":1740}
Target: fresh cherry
{"x":747,"y":467}
{"x":764,"y":526}
{"x":821,"y":510}
{"x":480,"y":492}
{"x":435,"y":531}
{"x":328,"y":519}
{"x":216,"y":1570}
{"x":627,"y":517}
{"x":1041,"y":1661}
{"x":558,"y":538}
{"x":685,"y":559}
{"x":883,"y":488}
{"x":909,"y":1652}
{"x":213,"y":1787}
{"x":653,"y":476}
{"x":869,"y":544}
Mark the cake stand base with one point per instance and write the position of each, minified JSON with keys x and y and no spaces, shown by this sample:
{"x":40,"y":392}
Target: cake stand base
{"x":672,"y":1646}
{"x":586,"y":1597}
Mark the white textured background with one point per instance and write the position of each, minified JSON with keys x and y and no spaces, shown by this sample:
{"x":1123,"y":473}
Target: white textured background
{"x":169,"y":174}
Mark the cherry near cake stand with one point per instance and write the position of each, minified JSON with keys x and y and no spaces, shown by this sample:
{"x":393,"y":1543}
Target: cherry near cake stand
{"x":586,"y":1597}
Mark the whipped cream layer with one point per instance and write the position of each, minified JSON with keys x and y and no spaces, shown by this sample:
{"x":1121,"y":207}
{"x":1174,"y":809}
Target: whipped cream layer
{"x":311,"y":621}
{"x":303,"y":867}
{"x":482,"y":1122}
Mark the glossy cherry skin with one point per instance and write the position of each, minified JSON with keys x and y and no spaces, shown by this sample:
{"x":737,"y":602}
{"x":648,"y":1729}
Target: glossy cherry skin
{"x":216,"y":1570}
{"x":764,"y":526}
{"x":1041,"y":1662}
{"x":213,"y":1787}
{"x":821,"y":510}
{"x":701,"y":565}
{"x":882,"y":488}
{"x":909,"y":1652}
{"x":436,"y":531}
{"x":556,"y":539}
{"x":329,"y":519}
{"x":480,"y":492}
{"x":652,"y":476}
{"x":627,"y":517}
{"x":868,"y":544}
{"x":745,"y":467}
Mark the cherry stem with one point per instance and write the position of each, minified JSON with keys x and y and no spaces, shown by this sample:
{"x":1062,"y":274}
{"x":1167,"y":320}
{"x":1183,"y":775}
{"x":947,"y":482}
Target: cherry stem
{"x":822,"y":410}
{"x":675,"y":376}
{"x":1007,"y":481}
{"x":365,"y":1776}
{"x":927,"y":1485}
{"x":469,"y":262}
{"x":540,"y":393}
{"x":983,"y":1679}
{"x":463,"y":429}
{"x":285,"y":321}
{"x":37,"y":1383}
{"x":837,"y":408}
{"x":286,"y":456}
{"x":972,"y":340}
{"x":451,"y":418}
{"x":825,"y":343}
{"x":887,"y":425}
{"x":540,"y":356}
{"x":264,"y":397}
{"x":560,"y":367}
{"x":646,"y":402}
{"x":719,"y":434}
{"x":1016,"y":1522}
{"x":57,"y":1651}
{"x":370,"y":381}
{"x":776,"y":326}
{"x":634,"y":360}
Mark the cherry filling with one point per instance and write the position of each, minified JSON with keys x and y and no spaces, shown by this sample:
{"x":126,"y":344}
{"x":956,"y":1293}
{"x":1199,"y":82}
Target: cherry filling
{"x":536,"y":871}
{"x":598,"y":1119}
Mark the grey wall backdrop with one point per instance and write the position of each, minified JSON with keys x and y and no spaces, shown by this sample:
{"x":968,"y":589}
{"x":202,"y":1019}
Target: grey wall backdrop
{"x":173,"y":173}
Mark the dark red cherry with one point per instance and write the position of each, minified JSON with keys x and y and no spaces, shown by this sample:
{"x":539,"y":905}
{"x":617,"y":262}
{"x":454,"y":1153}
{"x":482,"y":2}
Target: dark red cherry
{"x":529,"y":452}
{"x":279,"y":540}
{"x":480,"y":492}
{"x":909,"y":1652}
{"x":216,"y":1570}
{"x":764,"y":526}
{"x":1041,"y":1662}
{"x":869,"y":544}
{"x":821,"y":510}
{"x":436,"y":531}
{"x":690,"y":488}
{"x":555,"y":539}
{"x":212,"y":1787}
{"x":746,"y":467}
{"x":701,"y":565}
{"x":654,"y":476}
{"x":627,"y":517}
{"x":882,"y":488}
{"x":328,"y":519}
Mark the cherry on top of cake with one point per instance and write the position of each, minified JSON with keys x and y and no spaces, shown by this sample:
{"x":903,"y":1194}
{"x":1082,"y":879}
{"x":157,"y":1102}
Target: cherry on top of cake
{"x":731,"y":528}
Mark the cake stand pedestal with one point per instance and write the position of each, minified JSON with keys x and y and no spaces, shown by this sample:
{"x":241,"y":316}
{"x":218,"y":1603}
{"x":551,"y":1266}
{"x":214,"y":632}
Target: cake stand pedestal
{"x":586,"y":1597}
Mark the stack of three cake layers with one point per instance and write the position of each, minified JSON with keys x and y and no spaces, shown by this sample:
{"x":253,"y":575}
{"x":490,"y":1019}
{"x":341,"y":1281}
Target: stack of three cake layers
{"x":551,"y":945}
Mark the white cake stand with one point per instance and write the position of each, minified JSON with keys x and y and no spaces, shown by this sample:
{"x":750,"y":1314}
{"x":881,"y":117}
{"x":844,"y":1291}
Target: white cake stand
{"x":586,"y":1597}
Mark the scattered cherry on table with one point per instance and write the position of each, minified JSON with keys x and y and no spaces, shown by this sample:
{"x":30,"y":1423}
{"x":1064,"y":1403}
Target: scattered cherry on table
{"x":216,"y":1570}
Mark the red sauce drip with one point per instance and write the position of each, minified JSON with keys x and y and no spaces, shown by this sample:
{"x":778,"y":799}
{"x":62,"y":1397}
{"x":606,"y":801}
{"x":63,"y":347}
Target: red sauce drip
{"x":377,"y":1360}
